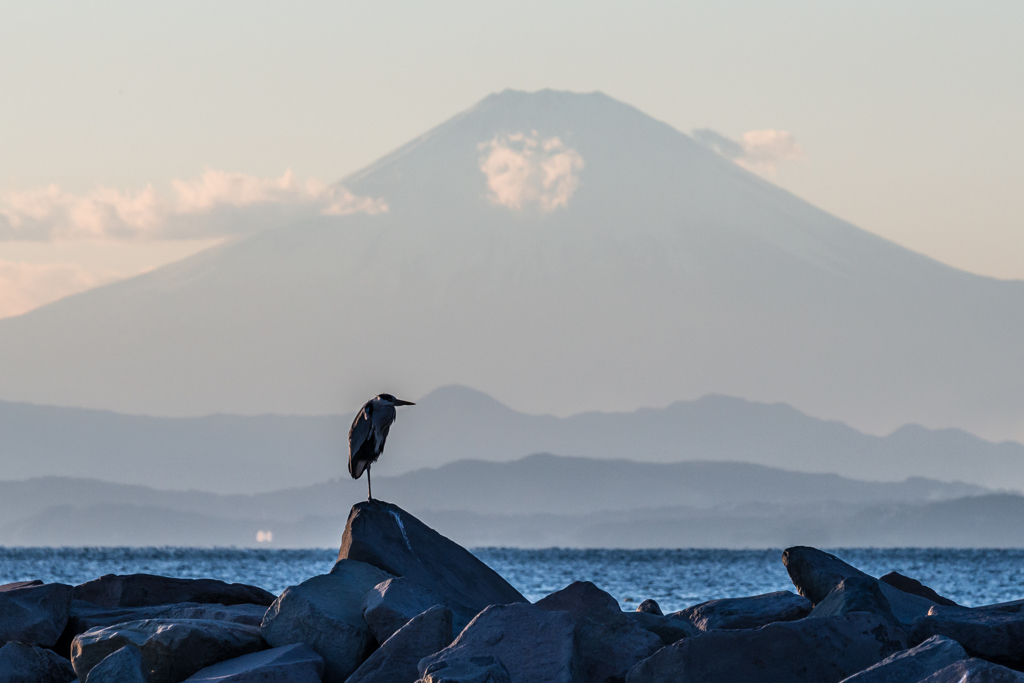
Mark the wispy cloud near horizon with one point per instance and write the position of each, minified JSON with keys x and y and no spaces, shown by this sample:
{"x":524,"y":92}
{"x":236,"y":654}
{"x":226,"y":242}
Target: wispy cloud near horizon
{"x":216,"y":204}
{"x":759,"y":151}
{"x":24,"y":286}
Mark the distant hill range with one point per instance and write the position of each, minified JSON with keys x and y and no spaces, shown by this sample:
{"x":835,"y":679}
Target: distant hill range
{"x":242,"y":455}
{"x":538,"y":501}
{"x":564,"y":252}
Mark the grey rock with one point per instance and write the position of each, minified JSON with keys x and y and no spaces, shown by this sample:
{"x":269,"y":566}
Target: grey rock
{"x":855,"y":594}
{"x":535,"y":645}
{"x":974,"y":671}
{"x":390,"y":605}
{"x":582,"y":599}
{"x":749,"y":612}
{"x":391,"y":539}
{"x":669,"y":628}
{"x":142,"y":590}
{"x":818,"y":650}
{"x":23,"y":663}
{"x":86,"y":615}
{"x":651,"y":607}
{"x":479,"y":669}
{"x":992,"y":635}
{"x":325,"y":612}
{"x":816,"y":573}
{"x":171,"y":650}
{"x":609,"y":641}
{"x":919,"y":662}
{"x":34,"y":613}
{"x":289,"y":664}
{"x":915,"y":587}
{"x":398,"y":658}
{"x":121,"y":666}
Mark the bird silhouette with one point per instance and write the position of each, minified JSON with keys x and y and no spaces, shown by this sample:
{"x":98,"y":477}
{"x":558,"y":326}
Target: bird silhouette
{"x":368,"y":433}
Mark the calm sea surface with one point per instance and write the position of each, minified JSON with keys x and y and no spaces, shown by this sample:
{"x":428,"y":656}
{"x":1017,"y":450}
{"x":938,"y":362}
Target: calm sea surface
{"x":675,"y":578}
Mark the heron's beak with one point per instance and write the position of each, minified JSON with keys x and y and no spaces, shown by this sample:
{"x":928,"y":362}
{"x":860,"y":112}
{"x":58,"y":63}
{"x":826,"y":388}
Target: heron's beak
{"x":400,"y":402}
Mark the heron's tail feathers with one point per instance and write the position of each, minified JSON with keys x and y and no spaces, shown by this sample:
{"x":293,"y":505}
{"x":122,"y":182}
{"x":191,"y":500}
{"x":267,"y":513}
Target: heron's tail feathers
{"x":356,"y":468}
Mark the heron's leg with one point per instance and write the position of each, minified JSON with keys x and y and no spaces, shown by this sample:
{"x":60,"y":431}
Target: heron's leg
{"x":369,"y":488}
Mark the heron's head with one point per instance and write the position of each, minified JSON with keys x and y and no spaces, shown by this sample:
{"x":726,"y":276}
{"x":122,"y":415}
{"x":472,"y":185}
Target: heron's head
{"x":392,"y":401}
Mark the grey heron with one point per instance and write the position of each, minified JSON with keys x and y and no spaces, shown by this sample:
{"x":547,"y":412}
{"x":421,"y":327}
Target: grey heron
{"x":368,"y":433}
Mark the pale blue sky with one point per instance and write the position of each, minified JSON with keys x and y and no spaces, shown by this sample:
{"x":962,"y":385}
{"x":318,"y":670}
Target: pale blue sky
{"x":909,"y":114}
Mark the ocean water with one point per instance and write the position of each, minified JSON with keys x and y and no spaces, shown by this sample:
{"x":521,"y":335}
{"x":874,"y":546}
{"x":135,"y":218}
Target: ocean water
{"x":675,"y":578}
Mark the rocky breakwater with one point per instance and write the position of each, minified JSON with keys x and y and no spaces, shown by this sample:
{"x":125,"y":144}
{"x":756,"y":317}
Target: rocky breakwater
{"x":404,"y":604}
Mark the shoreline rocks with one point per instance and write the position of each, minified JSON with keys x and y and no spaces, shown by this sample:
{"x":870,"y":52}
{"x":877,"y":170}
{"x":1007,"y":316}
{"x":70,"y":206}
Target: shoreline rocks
{"x":404,"y":604}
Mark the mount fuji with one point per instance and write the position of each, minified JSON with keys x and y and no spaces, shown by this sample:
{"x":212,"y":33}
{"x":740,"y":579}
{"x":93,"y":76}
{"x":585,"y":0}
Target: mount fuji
{"x":562,"y":252}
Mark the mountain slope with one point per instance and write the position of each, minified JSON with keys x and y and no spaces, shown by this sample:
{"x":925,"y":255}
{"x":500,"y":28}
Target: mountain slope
{"x":648,"y":268}
{"x":244,"y":455}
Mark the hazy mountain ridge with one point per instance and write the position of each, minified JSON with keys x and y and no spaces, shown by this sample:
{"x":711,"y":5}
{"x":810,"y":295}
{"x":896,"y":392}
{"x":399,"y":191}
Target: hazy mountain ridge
{"x":664,"y":271}
{"x":535,"y":501}
{"x":242,"y":455}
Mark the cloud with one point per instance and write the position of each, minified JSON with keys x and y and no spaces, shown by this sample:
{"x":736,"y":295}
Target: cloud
{"x":217,"y":203}
{"x":759,"y":151}
{"x":524,"y":169}
{"x":24,"y":286}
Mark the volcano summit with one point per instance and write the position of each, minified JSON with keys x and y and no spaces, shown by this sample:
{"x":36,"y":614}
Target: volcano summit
{"x":560,"y":251}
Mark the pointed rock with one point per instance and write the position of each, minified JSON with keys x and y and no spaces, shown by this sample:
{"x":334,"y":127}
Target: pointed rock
{"x":610,"y":642}
{"x":914,"y":664}
{"x":398,"y":658}
{"x":326,"y":613}
{"x":388,"y":537}
{"x":34,"y":613}
{"x":535,"y":645}
{"x":390,"y":605}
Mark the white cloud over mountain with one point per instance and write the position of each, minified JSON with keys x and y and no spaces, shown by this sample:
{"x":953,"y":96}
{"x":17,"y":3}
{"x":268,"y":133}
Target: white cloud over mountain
{"x":524,"y":169}
{"x":217,"y":203}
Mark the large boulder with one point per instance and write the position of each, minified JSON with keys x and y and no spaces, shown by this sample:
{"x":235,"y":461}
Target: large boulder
{"x":326,"y":613}
{"x":22,"y":663}
{"x":34,"y":613}
{"x":915,"y":587}
{"x":535,"y":645}
{"x":919,"y":662}
{"x":669,"y":628}
{"x":750,"y":612}
{"x":855,"y":594}
{"x":610,"y":642}
{"x":391,"y":539}
{"x":479,"y":669}
{"x":974,"y":671}
{"x":816,"y":573}
{"x":86,"y":615}
{"x":390,"y":605}
{"x":398,"y":658}
{"x":818,"y":650}
{"x":289,"y":664}
{"x":171,"y":650}
{"x":142,"y":590}
{"x":992,"y":635}
{"x":121,"y":666}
